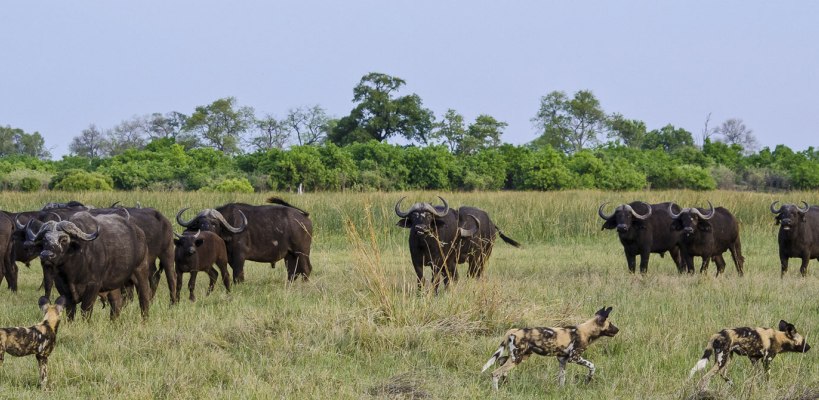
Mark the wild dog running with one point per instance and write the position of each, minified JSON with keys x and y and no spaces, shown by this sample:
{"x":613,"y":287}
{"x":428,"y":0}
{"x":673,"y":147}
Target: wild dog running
{"x":755,"y":343}
{"x":565,"y":343}
{"x":38,"y":339}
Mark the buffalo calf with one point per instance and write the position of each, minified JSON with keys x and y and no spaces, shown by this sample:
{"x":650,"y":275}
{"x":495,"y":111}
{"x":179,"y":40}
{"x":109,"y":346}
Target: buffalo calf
{"x":565,"y":343}
{"x":197,"y":252}
{"x":755,"y":343}
{"x":38,"y":339}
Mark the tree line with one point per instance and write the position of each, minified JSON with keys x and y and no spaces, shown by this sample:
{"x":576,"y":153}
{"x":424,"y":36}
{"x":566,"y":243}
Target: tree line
{"x":223,"y":146}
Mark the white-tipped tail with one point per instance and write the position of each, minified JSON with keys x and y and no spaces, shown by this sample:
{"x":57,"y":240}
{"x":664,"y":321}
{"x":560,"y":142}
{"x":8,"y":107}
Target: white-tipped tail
{"x":700,"y":365}
{"x":494,"y":358}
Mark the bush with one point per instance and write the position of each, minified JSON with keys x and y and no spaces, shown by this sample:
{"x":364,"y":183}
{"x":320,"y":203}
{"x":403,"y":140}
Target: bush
{"x":231,"y":185}
{"x":25,"y":180}
{"x":724,"y":177}
{"x":76,"y":180}
{"x":692,"y":177}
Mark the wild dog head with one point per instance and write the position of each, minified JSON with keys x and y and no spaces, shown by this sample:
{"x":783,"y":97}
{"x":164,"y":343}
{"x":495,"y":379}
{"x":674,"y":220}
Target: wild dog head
{"x":51,"y":312}
{"x":792,"y":340}
{"x":603,"y":326}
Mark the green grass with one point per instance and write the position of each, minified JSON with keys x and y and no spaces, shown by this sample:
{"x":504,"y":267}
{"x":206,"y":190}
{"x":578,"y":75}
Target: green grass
{"x":359,"y":329}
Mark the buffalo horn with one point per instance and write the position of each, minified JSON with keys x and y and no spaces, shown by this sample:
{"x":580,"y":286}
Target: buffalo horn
{"x":801,"y":210}
{"x":671,"y":211}
{"x":398,"y":212}
{"x":73,"y":230}
{"x":470,"y":232}
{"x":17,"y":223}
{"x":600,"y":212}
{"x":227,"y":225}
{"x":178,"y":236}
{"x":710,"y":214}
{"x":33,"y":237}
{"x":200,"y":231}
{"x":436,"y":212}
{"x":179,"y":218}
{"x":773,"y":208}
{"x":638,"y":216}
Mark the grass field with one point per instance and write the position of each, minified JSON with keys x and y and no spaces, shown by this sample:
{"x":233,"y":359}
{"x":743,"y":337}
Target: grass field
{"x":359,"y":329}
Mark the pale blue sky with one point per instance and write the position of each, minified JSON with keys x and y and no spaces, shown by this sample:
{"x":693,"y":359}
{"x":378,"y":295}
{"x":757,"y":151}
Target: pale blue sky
{"x":66,"y":65}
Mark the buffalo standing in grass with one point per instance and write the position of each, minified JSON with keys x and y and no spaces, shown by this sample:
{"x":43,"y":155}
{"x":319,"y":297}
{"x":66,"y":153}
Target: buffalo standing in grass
{"x":644,"y":229}
{"x":798,"y":234}
{"x":197,"y":252}
{"x":85,"y":264}
{"x":708,"y":235}
{"x":265,"y":233}
{"x":442,"y":237}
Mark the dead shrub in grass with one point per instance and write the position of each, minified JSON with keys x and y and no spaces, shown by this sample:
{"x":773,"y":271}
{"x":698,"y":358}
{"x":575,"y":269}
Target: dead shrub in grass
{"x":402,"y":386}
{"x":801,"y":393}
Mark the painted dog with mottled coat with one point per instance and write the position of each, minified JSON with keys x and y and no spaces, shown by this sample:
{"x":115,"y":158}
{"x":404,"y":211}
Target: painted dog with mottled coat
{"x":565,"y":343}
{"x":755,"y":343}
{"x":38,"y":339}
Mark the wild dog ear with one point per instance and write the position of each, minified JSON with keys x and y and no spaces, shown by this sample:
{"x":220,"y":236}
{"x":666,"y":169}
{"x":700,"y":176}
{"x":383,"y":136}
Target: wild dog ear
{"x":404,"y":223}
{"x":60,"y":303}
{"x":602,"y":315}
{"x":787,"y":327}
{"x":43,"y":303}
{"x":704,"y":225}
{"x":610,"y":223}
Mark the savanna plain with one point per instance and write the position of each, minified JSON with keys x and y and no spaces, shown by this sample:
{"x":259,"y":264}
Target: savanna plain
{"x":360,"y":329}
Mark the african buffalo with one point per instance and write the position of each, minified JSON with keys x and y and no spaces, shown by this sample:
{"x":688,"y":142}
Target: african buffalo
{"x":798,"y":234}
{"x":644,"y":229}
{"x":85,"y":264}
{"x":708,"y":236}
{"x":8,"y":268}
{"x":442,"y":237}
{"x":266,"y":233}
{"x":197,"y":252}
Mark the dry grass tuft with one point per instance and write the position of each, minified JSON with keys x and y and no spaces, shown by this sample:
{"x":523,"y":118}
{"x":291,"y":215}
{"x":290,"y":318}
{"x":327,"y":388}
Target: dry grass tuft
{"x":402,"y":386}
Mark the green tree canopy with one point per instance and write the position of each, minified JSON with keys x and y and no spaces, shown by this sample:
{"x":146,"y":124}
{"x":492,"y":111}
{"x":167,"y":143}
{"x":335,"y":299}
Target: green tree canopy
{"x":220,"y":124}
{"x":567,"y":124}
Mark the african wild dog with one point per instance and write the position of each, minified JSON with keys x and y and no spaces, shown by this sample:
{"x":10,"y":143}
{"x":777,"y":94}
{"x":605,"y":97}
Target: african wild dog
{"x":38,"y":339}
{"x":566,"y":343}
{"x":755,"y":343}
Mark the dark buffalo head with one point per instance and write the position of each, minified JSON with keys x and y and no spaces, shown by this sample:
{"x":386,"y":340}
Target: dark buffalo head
{"x":57,"y":239}
{"x":186,"y":244}
{"x":210,"y":220}
{"x":689,"y":220}
{"x":789,"y":216}
{"x":428,"y":221}
{"x":623,"y":217}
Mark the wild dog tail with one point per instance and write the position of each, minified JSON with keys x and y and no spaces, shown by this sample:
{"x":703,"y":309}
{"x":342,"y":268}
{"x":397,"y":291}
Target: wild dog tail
{"x":709,"y":349}
{"x":507,"y":239}
{"x":494,"y":357}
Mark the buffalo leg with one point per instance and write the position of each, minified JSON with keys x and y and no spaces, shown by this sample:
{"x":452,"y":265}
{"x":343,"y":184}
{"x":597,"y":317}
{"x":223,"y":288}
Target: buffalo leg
{"x":179,"y":283}
{"x":705,"y":261}
{"x":115,"y":302}
{"x":48,"y":281}
{"x":291,"y":263}
{"x":10,"y":272}
{"x":688,"y":259}
{"x":213,"y":275}
{"x":237,"y":262}
{"x":166,"y":263}
{"x":418,"y":265}
{"x":720,"y":261}
{"x":304,"y":266}
{"x":675,"y":255}
{"x":225,"y":274}
{"x":644,"y":256}
{"x":71,"y":302}
{"x":143,"y":286}
{"x":192,"y":286}
{"x":87,"y":300}
{"x":803,"y":269}
{"x":631,"y":260}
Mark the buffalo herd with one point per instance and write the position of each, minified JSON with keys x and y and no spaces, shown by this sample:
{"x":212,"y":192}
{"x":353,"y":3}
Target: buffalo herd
{"x":89,"y":253}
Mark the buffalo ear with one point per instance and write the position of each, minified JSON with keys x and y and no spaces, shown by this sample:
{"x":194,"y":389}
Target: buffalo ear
{"x":198,"y":242}
{"x":404,"y":223}
{"x":609,"y":224}
{"x":777,"y":219}
{"x":704,"y":225}
{"x":176,"y":242}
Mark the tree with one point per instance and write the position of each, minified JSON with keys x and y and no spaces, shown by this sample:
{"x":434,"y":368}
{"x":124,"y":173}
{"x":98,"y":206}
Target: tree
{"x":450,"y":130}
{"x":569,"y":124}
{"x":380,"y":115}
{"x":310,"y":124}
{"x":129,"y":134}
{"x":668,"y":139}
{"x":273,"y":134}
{"x":630,"y":132}
{"x":90,"y":143}
{"x":15,"y":141}
{"x":734,"y":131}
{"x":484,"y":133}
{"x":220,"y":124}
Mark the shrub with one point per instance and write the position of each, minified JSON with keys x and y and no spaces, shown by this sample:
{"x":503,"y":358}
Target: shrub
{"x":75,"y":180}
{"x":25,"y":180}
{"x":231,"y":185}
{"x":724,"y":177}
